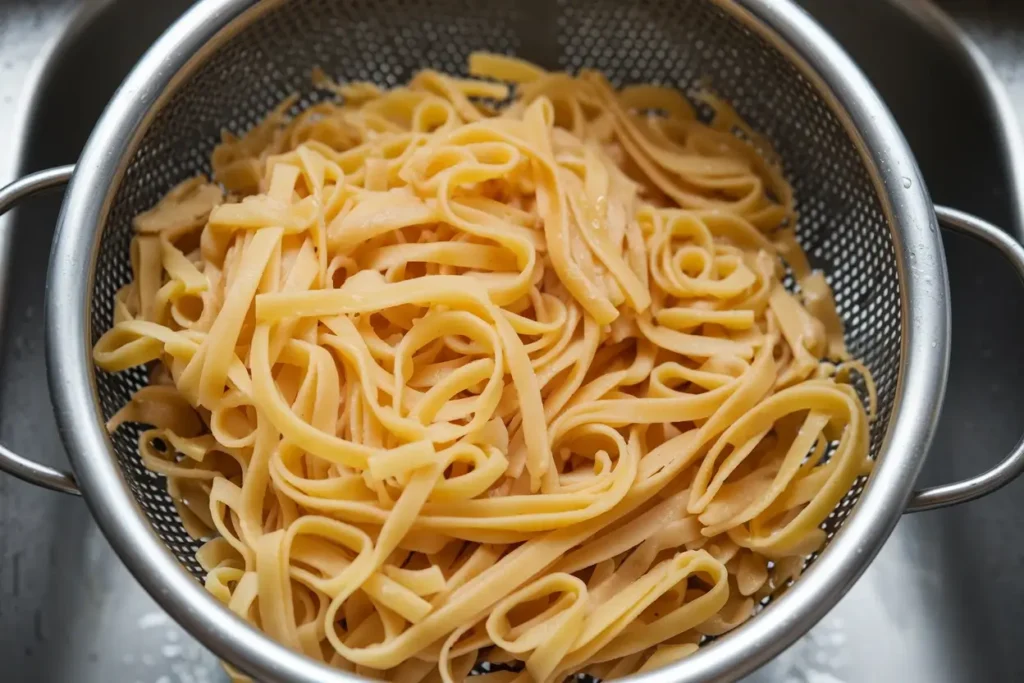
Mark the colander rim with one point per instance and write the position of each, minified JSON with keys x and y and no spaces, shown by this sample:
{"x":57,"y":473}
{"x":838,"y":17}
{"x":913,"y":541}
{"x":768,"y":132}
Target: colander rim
{"x":918,"y":396}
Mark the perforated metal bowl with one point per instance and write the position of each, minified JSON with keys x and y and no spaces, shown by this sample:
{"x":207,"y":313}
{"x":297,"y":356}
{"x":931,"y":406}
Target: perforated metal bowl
{"x":865,"y":219}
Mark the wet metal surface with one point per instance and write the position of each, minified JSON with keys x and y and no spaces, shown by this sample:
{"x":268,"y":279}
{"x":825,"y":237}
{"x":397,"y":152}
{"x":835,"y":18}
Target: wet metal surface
{"x":937,"y":606}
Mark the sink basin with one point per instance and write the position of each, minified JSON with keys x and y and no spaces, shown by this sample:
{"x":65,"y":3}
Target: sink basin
{"x":933,"y":608}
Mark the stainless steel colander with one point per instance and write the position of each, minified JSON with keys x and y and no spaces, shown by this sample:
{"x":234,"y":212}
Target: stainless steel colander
{"x":865,"y":219}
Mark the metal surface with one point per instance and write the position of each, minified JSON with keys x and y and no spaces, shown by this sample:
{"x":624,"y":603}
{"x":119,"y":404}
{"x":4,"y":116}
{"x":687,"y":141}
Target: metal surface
{"x":991,"y":35}
{"x":867,"y":221}
{"x":972,"y":60}
{"x":1010,"y":468}
{"x":74,"y":622}
{"x":10,"y":462}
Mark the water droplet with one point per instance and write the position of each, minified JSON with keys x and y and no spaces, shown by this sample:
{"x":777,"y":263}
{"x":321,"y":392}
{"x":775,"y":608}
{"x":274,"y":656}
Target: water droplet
{"x":906,"y":182}
{"x":153,"y":619}
{"x":171,"y":651}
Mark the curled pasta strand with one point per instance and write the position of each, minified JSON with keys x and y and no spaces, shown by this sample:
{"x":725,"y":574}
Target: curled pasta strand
{"x":495,"y":369}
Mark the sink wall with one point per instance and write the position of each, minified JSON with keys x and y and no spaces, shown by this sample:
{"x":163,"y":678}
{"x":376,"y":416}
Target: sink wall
{"x":934,"y":606}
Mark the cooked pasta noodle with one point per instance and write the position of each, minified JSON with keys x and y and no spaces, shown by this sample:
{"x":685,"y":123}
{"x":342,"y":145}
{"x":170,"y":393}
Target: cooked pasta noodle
{"x":494,"y":370}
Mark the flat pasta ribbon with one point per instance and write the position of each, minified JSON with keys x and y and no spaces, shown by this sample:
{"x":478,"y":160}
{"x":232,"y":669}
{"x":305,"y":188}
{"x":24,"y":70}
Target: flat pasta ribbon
{"x":447,"y":382}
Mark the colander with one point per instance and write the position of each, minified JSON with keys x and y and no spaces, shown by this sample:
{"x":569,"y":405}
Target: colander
{"x":865,"y":219}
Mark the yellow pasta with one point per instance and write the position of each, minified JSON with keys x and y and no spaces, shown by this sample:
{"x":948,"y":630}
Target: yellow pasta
{"x":497,"y":369}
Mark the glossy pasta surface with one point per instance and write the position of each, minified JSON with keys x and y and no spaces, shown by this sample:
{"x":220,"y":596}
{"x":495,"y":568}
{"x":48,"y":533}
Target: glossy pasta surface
{"x":498,"y":369}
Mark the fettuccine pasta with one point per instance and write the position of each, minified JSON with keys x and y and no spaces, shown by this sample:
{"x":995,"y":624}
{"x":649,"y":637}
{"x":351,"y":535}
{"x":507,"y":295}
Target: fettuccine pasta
{"x":498,"y":369}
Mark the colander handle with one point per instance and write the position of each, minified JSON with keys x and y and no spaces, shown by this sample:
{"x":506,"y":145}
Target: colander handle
{"x":1013,"y":464}
{"x":11,"y":462}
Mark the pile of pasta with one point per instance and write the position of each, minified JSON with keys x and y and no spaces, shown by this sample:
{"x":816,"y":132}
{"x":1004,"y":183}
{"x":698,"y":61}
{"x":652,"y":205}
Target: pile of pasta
{"x":494,"y":373}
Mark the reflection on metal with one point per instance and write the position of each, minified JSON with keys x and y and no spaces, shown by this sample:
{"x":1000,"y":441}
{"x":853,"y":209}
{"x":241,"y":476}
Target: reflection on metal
{"x":70,"y":611}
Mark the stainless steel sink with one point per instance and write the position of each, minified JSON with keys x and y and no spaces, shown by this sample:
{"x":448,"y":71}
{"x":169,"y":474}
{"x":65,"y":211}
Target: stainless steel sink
{"x":940,"y":603}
